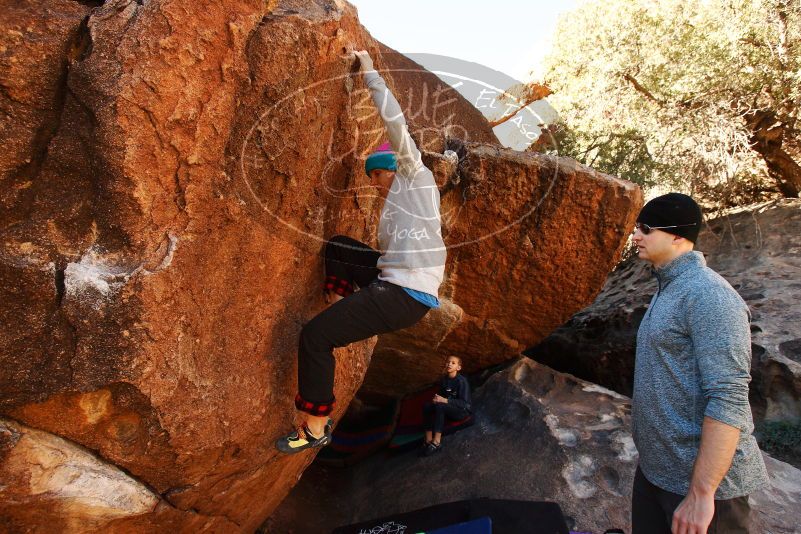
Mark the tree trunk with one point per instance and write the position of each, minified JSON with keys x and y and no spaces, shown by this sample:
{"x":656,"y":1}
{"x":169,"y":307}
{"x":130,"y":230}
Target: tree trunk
{"x":767,"y":134}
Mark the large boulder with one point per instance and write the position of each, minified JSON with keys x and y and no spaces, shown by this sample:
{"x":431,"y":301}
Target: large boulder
{"x":150,"y":305}
{"x":172,"y":170}
{"x":531,"y":239}
{"x":539,"y":435}
{"x":758,"y":250}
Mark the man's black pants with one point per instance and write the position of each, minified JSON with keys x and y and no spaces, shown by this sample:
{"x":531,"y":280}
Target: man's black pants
{"x":377,"y":308}
{"x":652,"y":510}
{"x":434,"y":414}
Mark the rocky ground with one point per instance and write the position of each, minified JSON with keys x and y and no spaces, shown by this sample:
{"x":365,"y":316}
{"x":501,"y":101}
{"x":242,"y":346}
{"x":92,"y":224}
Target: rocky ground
{"x":539,"y":435}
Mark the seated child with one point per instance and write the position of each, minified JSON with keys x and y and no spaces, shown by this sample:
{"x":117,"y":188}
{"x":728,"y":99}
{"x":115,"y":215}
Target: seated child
{"x":452,"y":401}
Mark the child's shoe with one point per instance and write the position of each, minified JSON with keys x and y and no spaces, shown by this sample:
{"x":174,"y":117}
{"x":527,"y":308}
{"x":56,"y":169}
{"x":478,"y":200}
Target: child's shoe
{"x":421,"y":451}
{"x":432,"y":448}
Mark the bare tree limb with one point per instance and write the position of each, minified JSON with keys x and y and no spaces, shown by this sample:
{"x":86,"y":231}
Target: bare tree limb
{"x":767,"y":134}
{"x":534,"y":92}
{"x":641,"y":89}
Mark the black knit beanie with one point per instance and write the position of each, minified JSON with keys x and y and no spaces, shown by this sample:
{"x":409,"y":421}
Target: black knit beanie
{"x":673,"y":209}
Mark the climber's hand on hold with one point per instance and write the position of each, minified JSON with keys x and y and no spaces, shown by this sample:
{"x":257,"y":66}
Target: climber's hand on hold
{"x":365,"y":61}
{"x":347,"y":53}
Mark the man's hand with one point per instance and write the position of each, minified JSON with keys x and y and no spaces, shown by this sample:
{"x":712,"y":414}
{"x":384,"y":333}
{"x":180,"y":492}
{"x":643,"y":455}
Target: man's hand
{"x":694,"y":514}
{"x":718,"y":443}
{"x":365,"y":62}
{"x":440,"y":399}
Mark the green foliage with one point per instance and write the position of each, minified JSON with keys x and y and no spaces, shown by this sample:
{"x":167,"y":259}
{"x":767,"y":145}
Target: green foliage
{"x":624,"y":154}
{"x":781,"y":438}
{"x":660,"y":91}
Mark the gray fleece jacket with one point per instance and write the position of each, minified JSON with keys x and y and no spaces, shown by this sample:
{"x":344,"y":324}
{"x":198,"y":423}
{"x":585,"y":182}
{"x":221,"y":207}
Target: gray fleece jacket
{"x":409,"y":231}
{"x":693,"y":360}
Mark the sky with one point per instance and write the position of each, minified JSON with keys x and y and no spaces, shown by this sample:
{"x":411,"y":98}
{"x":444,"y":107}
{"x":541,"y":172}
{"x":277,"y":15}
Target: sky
{"x":508,"y":36}
{"x":511,"y":36}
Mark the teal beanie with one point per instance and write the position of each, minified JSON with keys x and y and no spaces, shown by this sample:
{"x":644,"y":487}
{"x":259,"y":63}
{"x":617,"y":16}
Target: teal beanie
{"x":382,"y":158}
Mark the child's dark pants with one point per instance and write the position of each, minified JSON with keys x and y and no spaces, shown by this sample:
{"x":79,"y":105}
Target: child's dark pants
{"x":377,"y":308}
{"x":434,"y":414}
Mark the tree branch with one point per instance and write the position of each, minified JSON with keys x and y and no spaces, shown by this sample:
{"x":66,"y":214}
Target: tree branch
{"x":534,"y":92}
{"x":642,"y":90}
{"x":767,"y":134}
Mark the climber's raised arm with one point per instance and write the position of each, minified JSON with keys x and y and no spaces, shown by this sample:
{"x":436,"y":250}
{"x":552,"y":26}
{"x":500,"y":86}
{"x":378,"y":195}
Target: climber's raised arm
{"x":409,"y":159}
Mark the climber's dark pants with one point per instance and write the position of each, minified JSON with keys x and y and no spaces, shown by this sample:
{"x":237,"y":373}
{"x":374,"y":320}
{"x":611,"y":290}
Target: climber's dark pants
{"x":377,"y":308}
{"x":652,"y":510}
{"x":434,"y":414}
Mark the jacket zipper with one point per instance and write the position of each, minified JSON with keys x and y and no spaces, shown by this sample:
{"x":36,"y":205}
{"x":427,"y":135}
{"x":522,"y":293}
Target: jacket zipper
{"x":658,"y":291}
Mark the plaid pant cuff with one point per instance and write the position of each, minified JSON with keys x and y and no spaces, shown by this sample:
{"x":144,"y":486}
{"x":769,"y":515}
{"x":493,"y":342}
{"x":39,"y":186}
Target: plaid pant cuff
{"x":337,"y":285}
{"x":317,"y":409}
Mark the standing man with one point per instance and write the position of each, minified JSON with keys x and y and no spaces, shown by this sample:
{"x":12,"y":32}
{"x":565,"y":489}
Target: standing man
{"x":692,"y":421}
{"x":384,"y":290}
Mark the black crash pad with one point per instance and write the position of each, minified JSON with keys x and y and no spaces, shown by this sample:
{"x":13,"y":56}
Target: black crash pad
{"x":508,"y":517}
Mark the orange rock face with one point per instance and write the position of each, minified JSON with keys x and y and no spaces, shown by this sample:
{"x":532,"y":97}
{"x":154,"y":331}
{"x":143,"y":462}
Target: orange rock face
{"x":532,"y":239}
{"x":170,"y":171}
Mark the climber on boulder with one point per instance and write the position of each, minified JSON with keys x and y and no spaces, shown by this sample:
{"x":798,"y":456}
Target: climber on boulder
{"x":396,"y":285}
